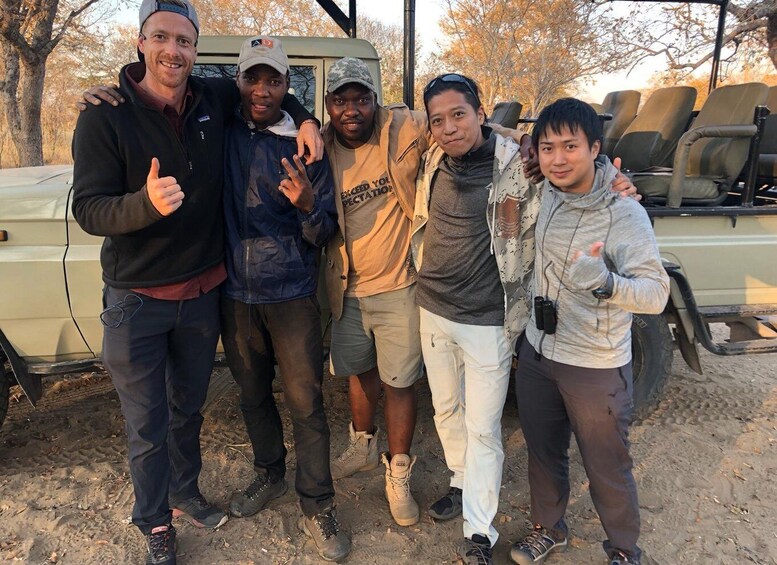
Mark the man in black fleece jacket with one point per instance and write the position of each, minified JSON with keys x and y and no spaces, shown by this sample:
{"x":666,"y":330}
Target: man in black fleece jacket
{"x":148,"y":177}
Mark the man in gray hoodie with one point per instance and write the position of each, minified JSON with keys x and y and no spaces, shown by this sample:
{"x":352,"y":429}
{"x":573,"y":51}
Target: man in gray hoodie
{"x":596,"y":263}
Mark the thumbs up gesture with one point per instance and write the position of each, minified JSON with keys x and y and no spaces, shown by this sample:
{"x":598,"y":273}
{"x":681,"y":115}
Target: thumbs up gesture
{"x":588,"y":270}
{"x":165,"y":193}
{"x":595,"y":251}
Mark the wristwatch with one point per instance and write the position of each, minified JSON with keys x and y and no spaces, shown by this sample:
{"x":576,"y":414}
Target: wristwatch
{"x":605,"y":291}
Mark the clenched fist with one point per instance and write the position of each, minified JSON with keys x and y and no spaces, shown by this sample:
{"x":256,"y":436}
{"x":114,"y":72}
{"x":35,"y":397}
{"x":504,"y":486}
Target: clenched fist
{"x":165,"y":193}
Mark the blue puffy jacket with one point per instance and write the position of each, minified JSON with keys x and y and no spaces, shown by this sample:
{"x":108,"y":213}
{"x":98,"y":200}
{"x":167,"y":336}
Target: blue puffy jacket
{"x":272,"y":248}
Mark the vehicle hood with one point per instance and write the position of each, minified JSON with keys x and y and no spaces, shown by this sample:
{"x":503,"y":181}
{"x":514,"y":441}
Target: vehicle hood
{"x":31,"y":193}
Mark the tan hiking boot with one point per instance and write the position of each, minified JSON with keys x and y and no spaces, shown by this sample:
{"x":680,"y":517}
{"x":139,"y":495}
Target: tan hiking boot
{"x":404,"y":508}
{"x":360,"y":455}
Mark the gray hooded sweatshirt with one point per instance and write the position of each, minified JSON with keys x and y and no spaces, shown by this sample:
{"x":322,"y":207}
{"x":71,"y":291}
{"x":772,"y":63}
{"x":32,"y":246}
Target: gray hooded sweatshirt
{"x":590,"y":332}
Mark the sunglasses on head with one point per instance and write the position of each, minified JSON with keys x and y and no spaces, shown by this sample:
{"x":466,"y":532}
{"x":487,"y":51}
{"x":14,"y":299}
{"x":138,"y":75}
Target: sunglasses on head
{"x":452,"y":77}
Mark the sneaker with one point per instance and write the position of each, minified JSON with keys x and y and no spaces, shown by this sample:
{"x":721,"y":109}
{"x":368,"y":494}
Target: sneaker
{"x":199,"y":512}
{"x":536,"y":547}
{"x":161,"y":546}
{"x":332,"y":542}
{"x":404,"y":508}
{"x":360,"y":455}
{"x":449,"y":506}
{"x":256,"y":496}
{"x":622,"y":558}
{"x":477,"y":551}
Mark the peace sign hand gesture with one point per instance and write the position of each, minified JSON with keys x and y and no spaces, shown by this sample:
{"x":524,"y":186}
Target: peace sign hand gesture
{"x":297,"y":188}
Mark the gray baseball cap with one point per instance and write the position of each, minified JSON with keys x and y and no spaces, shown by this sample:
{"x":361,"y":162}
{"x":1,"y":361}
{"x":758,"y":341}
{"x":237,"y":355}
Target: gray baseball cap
{"x":348,"y":70}
{"x":263,"y":50}
{"x":182,"y":7}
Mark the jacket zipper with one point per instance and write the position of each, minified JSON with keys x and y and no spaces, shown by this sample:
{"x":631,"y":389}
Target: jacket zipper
{"x":182,"y":138}
{"x":542,"y":248}
{"x":247,"y":184}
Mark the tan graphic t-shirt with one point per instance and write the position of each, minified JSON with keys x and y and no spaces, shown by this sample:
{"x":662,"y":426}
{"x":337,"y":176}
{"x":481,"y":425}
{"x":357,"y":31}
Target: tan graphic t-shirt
{"x":377,"y":234}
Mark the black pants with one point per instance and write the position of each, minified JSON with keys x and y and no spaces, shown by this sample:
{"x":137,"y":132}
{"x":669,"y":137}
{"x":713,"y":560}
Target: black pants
{"x":255,"y":334}
{"x":555,"y":400}
{"x":160,"y":357}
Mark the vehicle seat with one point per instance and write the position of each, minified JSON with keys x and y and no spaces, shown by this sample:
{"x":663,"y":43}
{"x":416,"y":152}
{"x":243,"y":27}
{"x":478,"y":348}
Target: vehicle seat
{"x":623,"y":106}
{"x":767,"y":160}
{"x":506,"y":114}
{"x":709,"y":156}
{"x":651,"y":139}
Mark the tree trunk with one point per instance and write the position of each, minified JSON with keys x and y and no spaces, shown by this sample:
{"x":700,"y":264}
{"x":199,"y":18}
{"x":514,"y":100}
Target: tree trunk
{"x":9,"y":65}
{"x":21,"y":92}
{"x":29,"y":145}
{"x":771,"y":38}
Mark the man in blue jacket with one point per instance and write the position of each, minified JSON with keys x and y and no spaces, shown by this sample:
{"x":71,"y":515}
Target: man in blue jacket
{"x":279,"y":213}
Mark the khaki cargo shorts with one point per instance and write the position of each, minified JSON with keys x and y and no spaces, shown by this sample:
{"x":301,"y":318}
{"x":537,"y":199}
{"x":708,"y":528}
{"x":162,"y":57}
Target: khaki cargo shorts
{"x":379,"y":331}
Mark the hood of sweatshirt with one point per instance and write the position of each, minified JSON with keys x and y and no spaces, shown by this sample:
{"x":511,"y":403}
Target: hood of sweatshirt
{"x":600,"y":195}
{"x":284,"y":127}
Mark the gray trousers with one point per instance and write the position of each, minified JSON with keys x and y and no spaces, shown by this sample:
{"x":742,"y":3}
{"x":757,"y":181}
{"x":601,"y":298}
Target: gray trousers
{"x":554,"y":400}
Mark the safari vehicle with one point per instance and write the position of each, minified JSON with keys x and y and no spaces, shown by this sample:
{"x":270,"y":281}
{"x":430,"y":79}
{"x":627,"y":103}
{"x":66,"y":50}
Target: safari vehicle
{"x":50,"y":275}
{"x":713,"y":205}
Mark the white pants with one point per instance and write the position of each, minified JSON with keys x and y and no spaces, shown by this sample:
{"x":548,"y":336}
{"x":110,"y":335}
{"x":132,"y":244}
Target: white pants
{"x":468,"y":369}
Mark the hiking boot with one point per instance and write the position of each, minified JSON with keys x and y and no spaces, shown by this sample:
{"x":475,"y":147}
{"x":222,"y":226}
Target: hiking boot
{"x":477,"y":551}
{"x":360,"y":455}
{"x":449,"y":506}
{"x":199,"y":512}
{"x":536,"y":547}
{"x":332,"y":542}
{"x":622,"y":558}
{"x":161,"y":545}
{"x":256,"y":495}
{"x":404,"y":508}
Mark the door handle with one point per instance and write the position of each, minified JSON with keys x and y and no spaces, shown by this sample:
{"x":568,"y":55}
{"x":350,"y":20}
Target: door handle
{"x":3,"y":235}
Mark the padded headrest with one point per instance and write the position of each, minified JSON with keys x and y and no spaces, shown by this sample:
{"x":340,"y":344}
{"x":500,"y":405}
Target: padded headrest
{"x":623,"y":106}
{"x":507,"y":114}
{"x":726,"y":105}
{"x":652,"y":137}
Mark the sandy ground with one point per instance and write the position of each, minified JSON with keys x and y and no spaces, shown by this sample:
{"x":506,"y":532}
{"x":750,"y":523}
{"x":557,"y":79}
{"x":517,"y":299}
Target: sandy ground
{"x":706,"y":464}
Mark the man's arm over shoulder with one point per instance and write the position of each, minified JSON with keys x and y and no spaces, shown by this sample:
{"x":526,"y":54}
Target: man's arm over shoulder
{"x":103,"y":204}
{"x":517,"y":133}
{"x":321,"y":223}
{"x":641,"y":284}
{"x":420,"y":122}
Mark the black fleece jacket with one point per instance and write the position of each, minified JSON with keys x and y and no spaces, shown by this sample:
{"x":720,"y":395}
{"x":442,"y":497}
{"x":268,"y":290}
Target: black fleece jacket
{"x":112,"y":152}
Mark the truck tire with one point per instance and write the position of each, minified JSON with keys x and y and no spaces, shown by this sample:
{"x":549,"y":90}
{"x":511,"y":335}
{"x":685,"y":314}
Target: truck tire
{"x":652,"y":350}
{"x":5,"y":386}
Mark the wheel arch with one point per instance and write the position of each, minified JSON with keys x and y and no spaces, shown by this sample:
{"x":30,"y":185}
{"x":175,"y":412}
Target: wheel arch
{"x":30,"y":384}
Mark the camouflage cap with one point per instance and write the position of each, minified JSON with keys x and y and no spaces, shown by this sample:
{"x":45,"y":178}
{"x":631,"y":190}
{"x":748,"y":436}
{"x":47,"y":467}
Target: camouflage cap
{"x":348,"y":70}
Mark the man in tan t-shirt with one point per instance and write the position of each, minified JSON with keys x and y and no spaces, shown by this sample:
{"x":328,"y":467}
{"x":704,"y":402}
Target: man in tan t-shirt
{"x":375,"y":154}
